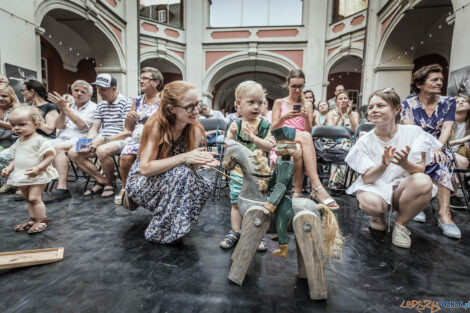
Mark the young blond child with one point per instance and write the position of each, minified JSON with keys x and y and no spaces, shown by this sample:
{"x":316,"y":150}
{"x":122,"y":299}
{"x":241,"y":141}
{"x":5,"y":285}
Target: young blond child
{"x":254,"y":133}
{"x":31,"y":167}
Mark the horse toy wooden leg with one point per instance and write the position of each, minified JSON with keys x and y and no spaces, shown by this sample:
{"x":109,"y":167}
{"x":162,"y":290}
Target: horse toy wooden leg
{"x":254,"y":227}
{"x":308,"y":234}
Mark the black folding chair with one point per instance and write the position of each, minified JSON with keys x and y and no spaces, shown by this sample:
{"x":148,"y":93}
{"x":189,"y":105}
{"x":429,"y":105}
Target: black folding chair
{"x":335,"y":155}
{"x":366,"y":127}
{"x":219,"y":125}
{"x":463,"y":182}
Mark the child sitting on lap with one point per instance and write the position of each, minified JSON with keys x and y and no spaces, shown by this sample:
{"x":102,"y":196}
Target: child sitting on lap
{"x":31,"y":168}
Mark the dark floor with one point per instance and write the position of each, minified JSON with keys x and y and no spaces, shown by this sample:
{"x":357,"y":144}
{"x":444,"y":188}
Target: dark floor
{"x":109,"y":267}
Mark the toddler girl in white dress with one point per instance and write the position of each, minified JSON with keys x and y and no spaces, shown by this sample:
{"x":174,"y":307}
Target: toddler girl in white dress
{"x":391,"y":160}
{"x":31,"y":168}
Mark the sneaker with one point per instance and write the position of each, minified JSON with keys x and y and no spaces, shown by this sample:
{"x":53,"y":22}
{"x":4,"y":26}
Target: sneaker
{"x":57,"y":195}
{"x":378,"y":222}
{"x":421,"y":217}
{"x":450,"y":230}
{"x":401,"y":236}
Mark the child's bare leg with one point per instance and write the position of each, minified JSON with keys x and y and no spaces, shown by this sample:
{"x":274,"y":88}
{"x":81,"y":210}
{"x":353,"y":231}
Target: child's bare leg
{"x":412,"y":196}
{"x":24,"y":190}
{"x":35,"y":201}
{"x":235,"y":218}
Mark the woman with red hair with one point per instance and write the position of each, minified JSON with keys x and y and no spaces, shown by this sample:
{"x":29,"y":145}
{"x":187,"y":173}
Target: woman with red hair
{"x":164,"y":178}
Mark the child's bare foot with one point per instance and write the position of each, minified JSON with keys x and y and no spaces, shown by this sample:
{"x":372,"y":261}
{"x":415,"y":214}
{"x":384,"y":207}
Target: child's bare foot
{"x":25,"y":225}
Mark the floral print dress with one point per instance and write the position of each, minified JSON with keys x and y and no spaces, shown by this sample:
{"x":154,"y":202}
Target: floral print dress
{"x":413,"y":109}
{"x":175,"y":197}
{"x":145,"y":111}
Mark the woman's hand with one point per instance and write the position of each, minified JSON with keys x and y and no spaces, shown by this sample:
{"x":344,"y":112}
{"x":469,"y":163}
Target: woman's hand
{"x":32,"y":172}
{"x":400,"y":158}
{"x":132,"y":116}
{"x":350,"y":106}
{"x":439,"y":156}
{"x":387,"y":157}
{"x":292,"y":114}
{"x":199,"y":157}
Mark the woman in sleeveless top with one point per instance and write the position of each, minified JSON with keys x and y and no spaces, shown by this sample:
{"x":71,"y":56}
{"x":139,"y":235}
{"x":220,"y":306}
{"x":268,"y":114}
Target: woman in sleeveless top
{"x":346,"y":117}
{"x":143,"y":108}
{"x":304,"y":158}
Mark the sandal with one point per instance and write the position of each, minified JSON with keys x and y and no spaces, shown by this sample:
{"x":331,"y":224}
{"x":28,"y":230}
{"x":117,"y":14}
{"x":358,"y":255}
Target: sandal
{"x":25,"y":225}
{"x":43,"y":223}
{"x":118,"y":198}
{"x":297,"y":195}
{"x":263,"y":246}
{"x":108,"y":188}
{"x":92,"y":192}
{"x":230,"y":240}
{"x":329,"y":202}
{"x":128,"y":203}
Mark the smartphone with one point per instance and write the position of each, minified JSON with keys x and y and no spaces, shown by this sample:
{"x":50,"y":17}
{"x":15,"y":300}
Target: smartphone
{"x":297,"y":106}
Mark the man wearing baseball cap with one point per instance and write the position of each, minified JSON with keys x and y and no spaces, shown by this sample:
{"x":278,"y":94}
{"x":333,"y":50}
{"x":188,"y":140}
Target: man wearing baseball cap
{"x":108,"y":134}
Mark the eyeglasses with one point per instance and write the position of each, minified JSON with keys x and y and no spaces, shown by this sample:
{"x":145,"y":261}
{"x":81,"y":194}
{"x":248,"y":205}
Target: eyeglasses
{"x":146,"y":79}
{"x":191,"y":107}
{"x":386,"y":90}
{"x":297,"y":86}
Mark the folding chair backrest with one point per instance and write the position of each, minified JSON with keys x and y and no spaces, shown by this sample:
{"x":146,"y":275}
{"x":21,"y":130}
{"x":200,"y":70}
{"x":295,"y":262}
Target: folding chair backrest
{"x":213,"y":124}
{"x":366,"y":127}
{"x":331,"y":132}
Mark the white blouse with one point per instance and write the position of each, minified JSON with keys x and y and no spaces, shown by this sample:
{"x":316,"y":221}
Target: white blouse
{"x":367,"y":153}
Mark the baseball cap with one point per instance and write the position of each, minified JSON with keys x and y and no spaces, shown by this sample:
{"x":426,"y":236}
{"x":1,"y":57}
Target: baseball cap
{"x":105,"y":81}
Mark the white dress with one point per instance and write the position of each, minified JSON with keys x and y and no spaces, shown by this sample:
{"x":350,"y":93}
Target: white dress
{"x":367,"y":153}
{"x":28,"y":154}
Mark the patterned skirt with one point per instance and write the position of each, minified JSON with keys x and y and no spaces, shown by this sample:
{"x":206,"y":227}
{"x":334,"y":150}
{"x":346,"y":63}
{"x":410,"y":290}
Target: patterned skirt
{"x":443,"y":172}
{"x":175,"y":198}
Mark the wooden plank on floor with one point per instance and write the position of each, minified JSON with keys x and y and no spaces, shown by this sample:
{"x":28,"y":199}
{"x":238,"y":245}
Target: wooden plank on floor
{"x":30,"y":257}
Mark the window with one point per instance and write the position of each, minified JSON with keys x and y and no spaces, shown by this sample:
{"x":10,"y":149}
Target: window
{"x":168,"y":12}
{"x":345,"y":8}
{"x":44,"y":72}
{"x":243,"y":13}
{"x":354,"y":96}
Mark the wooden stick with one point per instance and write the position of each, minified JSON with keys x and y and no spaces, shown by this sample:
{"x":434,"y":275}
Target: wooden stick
{"x":228,"y":176}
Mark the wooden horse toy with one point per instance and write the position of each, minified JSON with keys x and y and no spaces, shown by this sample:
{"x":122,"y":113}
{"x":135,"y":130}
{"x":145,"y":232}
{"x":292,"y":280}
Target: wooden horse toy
{"x":313,"y":241}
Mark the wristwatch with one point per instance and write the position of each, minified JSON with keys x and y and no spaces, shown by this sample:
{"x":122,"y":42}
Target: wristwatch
{"x":106,"y":139}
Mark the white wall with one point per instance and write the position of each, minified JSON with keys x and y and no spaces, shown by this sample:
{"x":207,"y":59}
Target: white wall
{"x":18,"y":38}
{"x":460,"y":56}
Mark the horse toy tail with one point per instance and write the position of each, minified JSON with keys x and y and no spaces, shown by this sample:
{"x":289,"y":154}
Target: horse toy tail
{"x":332,"y":239}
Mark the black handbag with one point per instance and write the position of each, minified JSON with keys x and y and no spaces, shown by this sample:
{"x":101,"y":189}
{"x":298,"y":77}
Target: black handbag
{"x":329,"y":151}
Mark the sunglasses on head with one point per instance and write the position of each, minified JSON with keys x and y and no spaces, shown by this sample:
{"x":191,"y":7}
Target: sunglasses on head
{"x":386,"y":90}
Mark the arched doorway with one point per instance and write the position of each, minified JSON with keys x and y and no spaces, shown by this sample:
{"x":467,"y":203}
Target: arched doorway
{"x":76,"y":46}
{"x":224,"y":75}
{"x":347,"y":72}
{"x":411,"y":37}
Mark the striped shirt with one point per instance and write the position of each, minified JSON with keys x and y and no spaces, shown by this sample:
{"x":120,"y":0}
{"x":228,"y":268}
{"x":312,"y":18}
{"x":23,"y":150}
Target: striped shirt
{"x":113,"y":115}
